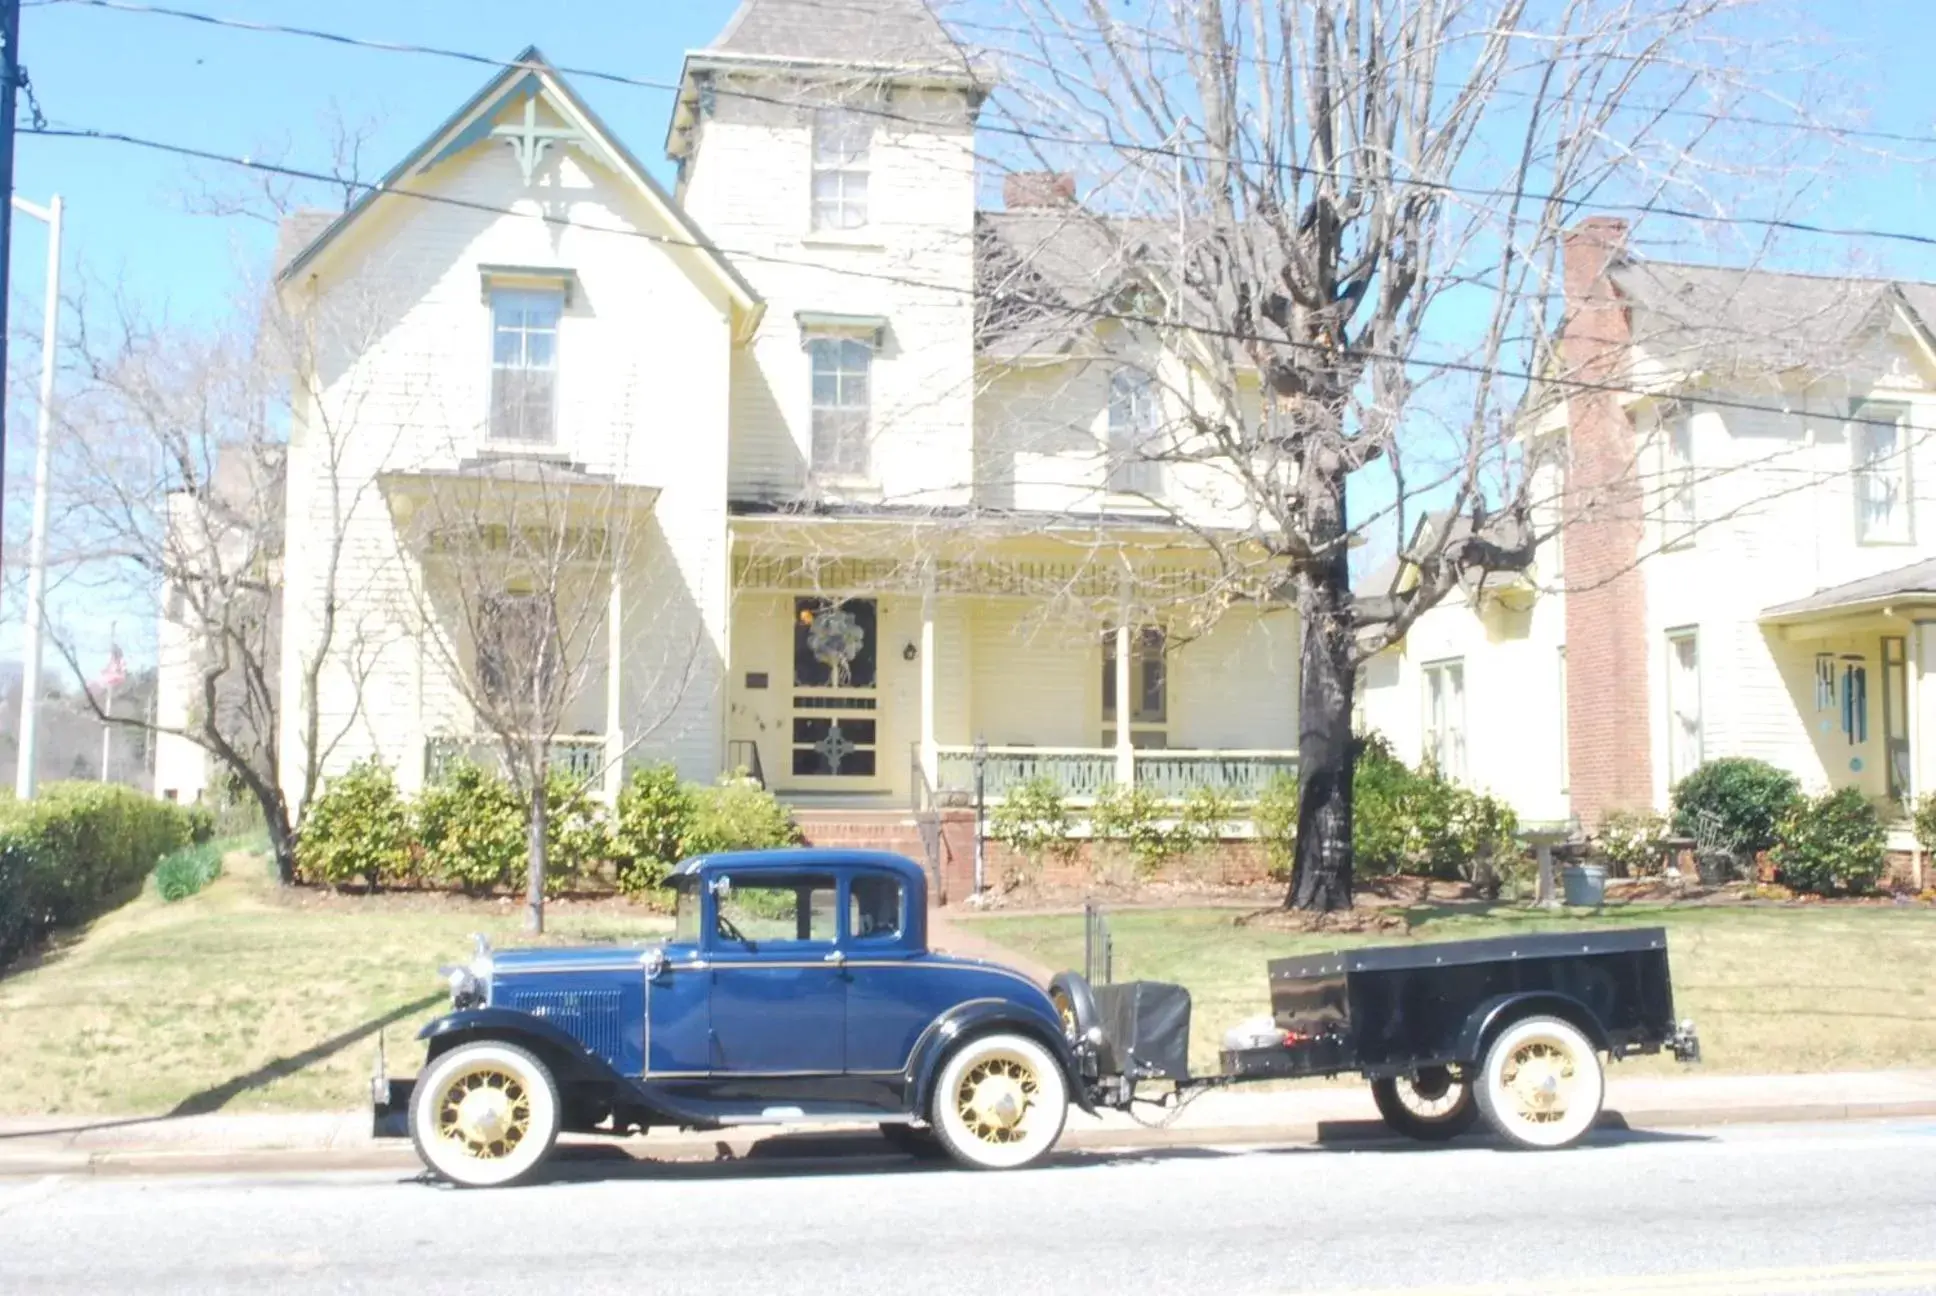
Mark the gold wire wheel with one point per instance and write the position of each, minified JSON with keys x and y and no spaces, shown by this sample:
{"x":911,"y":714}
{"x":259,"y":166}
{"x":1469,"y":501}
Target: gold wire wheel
{"x":1539,"y":1074}
{"x":1433,"y":1093}
{"x":485,"y":1110}
{"x":994,"y":1098}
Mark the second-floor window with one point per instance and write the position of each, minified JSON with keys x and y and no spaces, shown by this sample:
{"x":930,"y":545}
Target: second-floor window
{"x":524,"y":365}
{"x":842,"y":405}
{"x":1683,"y":704}
{"x":1132,"y":433}
{"x":1445,"y":718}
{"x":842,"y":145}
{"x":1677,"y":514}
{"x":1880,"y":444}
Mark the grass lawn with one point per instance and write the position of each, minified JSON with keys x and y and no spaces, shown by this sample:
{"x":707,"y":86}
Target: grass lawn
{"x":1772,"y":990}
{"x":242,"y":998}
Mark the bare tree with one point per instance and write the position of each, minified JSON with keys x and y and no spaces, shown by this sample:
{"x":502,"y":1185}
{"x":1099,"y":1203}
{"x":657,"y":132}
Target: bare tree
{"x":1325,"y":235}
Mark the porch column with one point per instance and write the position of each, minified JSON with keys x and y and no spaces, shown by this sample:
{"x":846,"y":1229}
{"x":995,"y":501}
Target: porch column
{"x":1125,"y":749}
{"x":1922,"y":761}
{"x":930,"y":746}
{"x":614,"y":688}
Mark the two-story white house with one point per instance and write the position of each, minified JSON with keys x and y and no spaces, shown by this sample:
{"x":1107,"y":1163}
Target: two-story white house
{"x":1746,"y":569}
{"x":874,"y":516}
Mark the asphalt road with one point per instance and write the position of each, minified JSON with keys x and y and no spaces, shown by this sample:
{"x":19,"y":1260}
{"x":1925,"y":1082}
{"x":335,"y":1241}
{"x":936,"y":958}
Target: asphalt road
{"x":1842,"y":1208}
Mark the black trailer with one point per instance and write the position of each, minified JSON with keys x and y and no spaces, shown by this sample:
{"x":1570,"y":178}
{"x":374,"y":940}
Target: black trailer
{"x":1512,"y":1029}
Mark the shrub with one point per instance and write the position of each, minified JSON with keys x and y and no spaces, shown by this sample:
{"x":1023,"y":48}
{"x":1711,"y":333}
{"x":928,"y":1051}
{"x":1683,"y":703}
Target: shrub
{"x":1033,"y":820}
{"x":471,"y":830}
{"x":1926,"y":822}
{"x":1275,"y":819}
{"x":1751,"y":798}
{"x":201,"y":823}
{"x":1135,"y":818}
{"x":184,"y":872}
{"x":738,"y":814}
{"x":1832,"y":844}
{"x":578,"y":835}
{"x":358,"y":827}
{"x":74,"y":852}
{"x":1380,"y":810}
{"x":1415,"y":820}
{"x":655,"y":818}
{"x":1630,"y":840}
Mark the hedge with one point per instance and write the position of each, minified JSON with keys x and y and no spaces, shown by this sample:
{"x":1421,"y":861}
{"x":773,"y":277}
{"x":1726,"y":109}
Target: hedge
{"x":75,"y":852}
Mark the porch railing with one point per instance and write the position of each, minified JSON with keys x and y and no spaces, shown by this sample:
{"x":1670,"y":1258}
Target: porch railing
{"x":580,"y":755}
{"x":1083,"y":772}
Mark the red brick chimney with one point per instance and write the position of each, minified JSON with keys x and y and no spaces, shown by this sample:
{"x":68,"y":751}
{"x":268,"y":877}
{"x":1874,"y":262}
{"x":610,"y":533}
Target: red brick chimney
{"x":1022,"y":189}
{"x":1608,"y":704}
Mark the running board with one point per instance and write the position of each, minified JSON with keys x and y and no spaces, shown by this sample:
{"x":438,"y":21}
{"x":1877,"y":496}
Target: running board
{"x":800,"y":1116}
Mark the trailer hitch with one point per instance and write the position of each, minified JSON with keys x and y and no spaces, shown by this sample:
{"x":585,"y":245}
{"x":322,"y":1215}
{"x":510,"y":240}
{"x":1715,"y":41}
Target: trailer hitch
{"x":1685,"y":1043}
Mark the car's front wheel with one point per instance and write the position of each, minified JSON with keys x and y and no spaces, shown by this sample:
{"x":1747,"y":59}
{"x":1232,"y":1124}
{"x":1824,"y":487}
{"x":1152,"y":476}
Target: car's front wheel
{"x":484,"y":1115}
{"x":1000,"y":1103}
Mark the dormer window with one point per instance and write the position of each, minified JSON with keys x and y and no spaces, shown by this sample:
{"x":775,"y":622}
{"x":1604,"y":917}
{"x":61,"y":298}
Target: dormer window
{"x":842,"y":142}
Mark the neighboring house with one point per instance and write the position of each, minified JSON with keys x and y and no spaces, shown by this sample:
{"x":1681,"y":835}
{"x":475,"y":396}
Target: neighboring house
{"x":229,"y":530}
{"x":1746,"y":570}
{"x":881,"y":512}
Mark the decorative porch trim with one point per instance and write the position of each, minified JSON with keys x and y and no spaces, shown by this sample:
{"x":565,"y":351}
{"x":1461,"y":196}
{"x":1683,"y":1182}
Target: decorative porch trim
{"x":1013,"y":578}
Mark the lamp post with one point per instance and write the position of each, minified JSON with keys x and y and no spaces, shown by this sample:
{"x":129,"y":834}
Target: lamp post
{"x":981,"y":811}
{"x":25,"y":775}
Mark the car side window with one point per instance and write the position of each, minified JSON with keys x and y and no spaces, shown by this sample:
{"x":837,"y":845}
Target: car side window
{"x":874,"y":909}
{"x":776,"y":910}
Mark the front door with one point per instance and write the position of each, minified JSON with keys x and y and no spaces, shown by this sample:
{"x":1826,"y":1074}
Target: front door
{"x":835,"y":715}
{"x":779,"y":987}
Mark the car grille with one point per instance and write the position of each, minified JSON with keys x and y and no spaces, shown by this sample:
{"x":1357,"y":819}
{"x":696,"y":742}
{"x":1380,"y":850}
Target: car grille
{"x":591,"y":1016}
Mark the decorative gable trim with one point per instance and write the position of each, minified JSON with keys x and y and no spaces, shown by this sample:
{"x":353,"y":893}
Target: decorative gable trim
{"x":510,"y":276}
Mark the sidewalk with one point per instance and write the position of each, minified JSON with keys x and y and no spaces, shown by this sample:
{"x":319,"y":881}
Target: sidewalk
{"x":1337,"y":1113}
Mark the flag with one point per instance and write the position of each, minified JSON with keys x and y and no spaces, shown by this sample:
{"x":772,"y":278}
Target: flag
{"x":115,"y":673}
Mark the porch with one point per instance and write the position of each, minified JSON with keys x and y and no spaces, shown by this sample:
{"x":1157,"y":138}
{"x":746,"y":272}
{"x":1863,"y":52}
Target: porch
{"x":1083,"y":773}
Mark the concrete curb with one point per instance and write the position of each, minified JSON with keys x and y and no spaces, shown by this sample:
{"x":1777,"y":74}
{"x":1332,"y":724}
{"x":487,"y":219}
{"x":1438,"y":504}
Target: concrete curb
{"x":777,"y":1151}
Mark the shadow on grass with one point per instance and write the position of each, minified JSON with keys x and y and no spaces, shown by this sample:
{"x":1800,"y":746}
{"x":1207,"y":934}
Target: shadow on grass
{"x":216,"y":1097}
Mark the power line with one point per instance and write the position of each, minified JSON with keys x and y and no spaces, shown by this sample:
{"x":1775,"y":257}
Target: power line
{"x":1768,"y":223}
{"x":1097,"y":313}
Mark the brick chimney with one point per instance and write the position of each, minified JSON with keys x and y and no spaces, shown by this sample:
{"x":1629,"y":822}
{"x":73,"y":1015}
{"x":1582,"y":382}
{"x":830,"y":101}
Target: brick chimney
{"x":1608,"y":704}
{"x":1023,"y":189}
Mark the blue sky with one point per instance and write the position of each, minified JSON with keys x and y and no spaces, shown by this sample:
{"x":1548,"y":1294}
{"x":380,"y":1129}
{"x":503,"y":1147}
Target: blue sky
{"x":272,"y":97}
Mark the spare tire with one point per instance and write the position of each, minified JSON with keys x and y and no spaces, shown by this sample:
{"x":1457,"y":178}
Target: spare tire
{"x":1075,"y":1005}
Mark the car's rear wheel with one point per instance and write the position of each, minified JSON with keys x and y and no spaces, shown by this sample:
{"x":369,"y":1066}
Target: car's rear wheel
{"x":1000,"y":1103}
{"x":1541,"y":1085}
{"x":484,"y":1115}
{"x":1432,"y":1106}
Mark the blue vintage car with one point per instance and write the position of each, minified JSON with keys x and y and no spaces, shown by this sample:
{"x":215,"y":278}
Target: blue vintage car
{"x":797,"y":987}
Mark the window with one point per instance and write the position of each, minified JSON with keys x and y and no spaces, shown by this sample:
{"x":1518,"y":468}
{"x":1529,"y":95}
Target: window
{"x":1149,"y":688}
{"x":518,"y":652}
{"x":841,"y":144}
{"x":524,"y":365}
{"x":874,"y":909}
{"x":771,"y":910}
{"x":1566,"y":777}
{"x":1445,"y":718}
{"x":1132,"y":432}
{"x":842,"y":410}
{"x":1882,"y":500}
{"x":1895,"y":713}
{"x":1683,"y":704}
{"x":1677,"y":515}
{"x":685,"y":914}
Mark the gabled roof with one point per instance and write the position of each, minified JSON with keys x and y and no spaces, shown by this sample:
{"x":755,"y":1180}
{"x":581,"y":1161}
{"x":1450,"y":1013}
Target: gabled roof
{"x":1916,"y":581}
{"x":527,"y":75}
{"x":898,"y":33}
{"x":1044,"y":276}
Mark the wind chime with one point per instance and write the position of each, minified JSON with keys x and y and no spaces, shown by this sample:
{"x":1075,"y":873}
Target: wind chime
{"x":1842,"y":684}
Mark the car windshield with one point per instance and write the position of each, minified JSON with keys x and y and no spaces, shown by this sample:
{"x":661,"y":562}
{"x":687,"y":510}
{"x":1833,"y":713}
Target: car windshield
{"x":685,"y":914}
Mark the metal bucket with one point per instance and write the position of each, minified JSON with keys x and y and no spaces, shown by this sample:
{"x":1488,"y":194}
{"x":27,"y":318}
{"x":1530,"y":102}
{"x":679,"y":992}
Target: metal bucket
{"x":1585,"y":885}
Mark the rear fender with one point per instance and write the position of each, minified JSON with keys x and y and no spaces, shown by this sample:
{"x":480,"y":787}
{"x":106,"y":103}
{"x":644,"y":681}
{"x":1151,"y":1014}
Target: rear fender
{"x":982,"y":1017}
{"x":1501,"y":1011}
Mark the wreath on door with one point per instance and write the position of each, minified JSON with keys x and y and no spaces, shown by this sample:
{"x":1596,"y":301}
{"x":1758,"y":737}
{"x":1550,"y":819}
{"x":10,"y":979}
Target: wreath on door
{"x":835,"y":639}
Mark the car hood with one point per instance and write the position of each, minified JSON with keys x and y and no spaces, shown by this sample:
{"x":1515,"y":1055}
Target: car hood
{"x":566,"y":957}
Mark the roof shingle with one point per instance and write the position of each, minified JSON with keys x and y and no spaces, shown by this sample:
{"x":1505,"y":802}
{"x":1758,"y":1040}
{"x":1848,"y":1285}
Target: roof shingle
{"x":901,"y":33}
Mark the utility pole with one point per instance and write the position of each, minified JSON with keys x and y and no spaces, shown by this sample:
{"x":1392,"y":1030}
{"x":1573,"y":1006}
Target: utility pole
{"x":28,"y":766}
{"x":9,"y":97}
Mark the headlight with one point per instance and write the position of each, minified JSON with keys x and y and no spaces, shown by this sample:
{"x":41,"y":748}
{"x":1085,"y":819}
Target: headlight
{"x":466,"y":988}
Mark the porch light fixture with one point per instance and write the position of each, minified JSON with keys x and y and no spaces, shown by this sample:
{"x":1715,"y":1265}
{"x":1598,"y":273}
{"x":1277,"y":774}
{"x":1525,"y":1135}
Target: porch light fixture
{"x":909,"y":652}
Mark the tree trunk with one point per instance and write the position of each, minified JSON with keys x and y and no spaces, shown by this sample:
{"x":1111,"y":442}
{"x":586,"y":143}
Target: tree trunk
{"x":1321,"y":865}
{"x":534,"y":898}
{"x":282,"y":844}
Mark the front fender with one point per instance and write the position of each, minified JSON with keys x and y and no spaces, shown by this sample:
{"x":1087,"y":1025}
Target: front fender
{"x":1495,"y":1014}
{"x":980,"y":1017}
{"x":568,"y":1059}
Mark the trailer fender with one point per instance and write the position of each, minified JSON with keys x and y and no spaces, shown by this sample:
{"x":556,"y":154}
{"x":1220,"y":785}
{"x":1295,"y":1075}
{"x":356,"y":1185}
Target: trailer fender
{"x":1499,"y":1012}
{"x":982,"y":1017}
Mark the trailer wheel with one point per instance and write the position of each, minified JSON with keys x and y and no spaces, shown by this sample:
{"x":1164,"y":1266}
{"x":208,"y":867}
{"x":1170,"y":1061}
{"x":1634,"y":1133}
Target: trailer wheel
{"x":1000,"y":1103}
{"x":1541,"y":1085}
{"x":484,"y":1115}
{"x":1432,"y":1106}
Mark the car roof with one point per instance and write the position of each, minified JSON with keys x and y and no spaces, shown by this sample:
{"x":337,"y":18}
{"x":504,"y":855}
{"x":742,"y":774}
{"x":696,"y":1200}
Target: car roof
{"x":793,"y":859}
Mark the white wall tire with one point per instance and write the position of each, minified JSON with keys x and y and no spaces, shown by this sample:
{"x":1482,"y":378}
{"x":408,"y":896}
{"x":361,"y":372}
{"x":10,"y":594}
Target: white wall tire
{"x":1541,"y":1084}
{"x":1000,"y":1103}
{"x":484,"y":1115}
